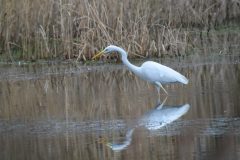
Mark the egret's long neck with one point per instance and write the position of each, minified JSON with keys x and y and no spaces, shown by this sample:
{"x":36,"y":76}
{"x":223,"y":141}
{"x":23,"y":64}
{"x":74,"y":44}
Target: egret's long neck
{"x":132,"y":67}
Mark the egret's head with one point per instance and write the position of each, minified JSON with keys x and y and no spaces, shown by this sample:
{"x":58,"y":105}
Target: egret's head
{"x":109,"y":49}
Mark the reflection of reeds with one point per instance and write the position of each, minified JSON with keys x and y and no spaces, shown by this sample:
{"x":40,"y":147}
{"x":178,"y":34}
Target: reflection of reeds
{"x":102,"y":95}
{"x":108,"y":94}
{"x":88,"y":97}
{"x":78,"y":28}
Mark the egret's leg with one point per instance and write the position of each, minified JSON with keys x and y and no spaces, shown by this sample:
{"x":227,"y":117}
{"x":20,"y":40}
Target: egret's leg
{"x":158,"y":90}
{"x":159,"y":106}
{"x":163,"y":89}
{"x":158,"y":103}
{"x":160,"y":85}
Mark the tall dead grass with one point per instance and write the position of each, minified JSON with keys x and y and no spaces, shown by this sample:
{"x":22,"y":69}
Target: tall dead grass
{"x":31,"y":29}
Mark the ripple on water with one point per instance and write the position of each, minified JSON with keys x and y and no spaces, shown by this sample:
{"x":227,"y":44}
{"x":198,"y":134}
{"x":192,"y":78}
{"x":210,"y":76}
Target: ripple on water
{"x":201,"y":127}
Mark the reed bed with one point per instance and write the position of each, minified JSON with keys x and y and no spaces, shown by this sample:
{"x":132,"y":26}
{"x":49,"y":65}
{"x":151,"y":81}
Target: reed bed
{"x":31,"y":29}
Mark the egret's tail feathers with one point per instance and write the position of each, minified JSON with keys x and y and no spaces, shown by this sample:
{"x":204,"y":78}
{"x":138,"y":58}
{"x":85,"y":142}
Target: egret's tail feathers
{"x":183,"y":79}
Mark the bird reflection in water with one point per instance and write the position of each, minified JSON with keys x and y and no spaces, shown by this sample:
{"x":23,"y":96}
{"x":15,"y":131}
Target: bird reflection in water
{"x":153,"y":120}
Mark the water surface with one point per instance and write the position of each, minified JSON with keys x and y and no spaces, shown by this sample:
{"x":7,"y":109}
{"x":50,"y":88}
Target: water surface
{"x":70,"y":111}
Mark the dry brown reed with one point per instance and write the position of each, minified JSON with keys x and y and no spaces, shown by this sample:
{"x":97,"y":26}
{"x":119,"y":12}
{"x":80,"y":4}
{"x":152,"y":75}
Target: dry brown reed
{"x":31,"y":29}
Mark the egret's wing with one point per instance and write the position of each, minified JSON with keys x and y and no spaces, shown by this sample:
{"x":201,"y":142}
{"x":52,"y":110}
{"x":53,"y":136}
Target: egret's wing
{"x":155,"y":72}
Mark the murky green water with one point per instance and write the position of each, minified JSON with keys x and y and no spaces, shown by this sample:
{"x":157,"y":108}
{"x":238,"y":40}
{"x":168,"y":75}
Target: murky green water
{"x":62,"y":111}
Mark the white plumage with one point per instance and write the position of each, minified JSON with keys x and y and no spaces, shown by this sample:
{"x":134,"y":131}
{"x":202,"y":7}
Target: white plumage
{"x":155,"y":72}
{"x":150,"y":71}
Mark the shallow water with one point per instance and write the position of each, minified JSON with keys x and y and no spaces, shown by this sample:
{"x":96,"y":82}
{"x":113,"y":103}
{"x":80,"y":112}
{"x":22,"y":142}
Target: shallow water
{"x":63,"y":111}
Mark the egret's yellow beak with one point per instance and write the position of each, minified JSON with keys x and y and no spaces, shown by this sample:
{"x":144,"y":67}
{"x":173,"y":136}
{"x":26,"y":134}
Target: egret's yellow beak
{"x":98,"y":55}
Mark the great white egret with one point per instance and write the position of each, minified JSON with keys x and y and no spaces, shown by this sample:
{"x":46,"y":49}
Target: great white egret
{"x":150,"y":71}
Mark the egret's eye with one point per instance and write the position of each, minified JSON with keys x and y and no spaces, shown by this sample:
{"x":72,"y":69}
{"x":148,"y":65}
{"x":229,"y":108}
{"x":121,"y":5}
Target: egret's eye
{"x":106,"y":50}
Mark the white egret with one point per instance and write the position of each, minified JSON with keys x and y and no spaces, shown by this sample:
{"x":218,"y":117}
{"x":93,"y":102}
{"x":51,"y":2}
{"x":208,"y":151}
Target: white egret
{"x":150,"y":71}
